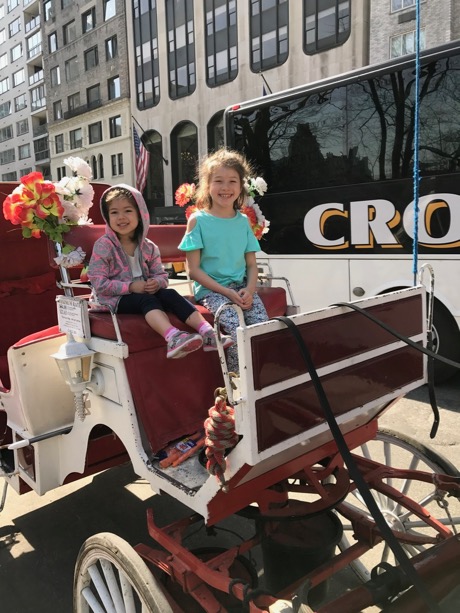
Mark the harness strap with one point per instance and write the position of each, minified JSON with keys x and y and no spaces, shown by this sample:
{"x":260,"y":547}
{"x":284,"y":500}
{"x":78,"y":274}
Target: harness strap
{"x":355,"y":474}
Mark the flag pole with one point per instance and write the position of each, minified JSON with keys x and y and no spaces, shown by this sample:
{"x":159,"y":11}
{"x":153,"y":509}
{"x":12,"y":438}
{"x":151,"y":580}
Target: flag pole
{"x":166,"y":162}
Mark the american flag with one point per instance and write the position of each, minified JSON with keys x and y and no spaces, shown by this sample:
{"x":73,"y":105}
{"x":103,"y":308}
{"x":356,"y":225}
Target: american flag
{"x":142,"y":161}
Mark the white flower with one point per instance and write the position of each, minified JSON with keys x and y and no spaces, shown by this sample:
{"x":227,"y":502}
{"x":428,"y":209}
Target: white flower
{"x":260,"y":186}
{"x":79,"y":167}
{"x":69,"y":260}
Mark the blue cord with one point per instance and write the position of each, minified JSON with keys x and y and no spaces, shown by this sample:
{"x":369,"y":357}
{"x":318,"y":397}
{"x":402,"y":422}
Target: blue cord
{"x":416,"y":173}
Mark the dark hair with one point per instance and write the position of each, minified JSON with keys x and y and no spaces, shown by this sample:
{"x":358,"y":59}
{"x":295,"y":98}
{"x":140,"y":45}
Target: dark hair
{"x":228,"y":159}
{"x":117,"y":193}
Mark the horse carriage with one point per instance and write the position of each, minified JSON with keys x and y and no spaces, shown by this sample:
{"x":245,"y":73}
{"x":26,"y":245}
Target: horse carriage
{"x":292,"y":443}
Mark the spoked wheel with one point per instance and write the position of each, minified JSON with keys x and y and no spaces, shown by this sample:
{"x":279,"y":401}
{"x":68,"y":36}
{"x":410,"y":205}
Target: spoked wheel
{"x":111,"y":577}
{"x":400,"y":451}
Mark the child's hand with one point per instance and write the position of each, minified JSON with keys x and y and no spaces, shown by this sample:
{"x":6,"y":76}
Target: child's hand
{"x":246,"y":298}
{"x":137,"y":287}
{"x":151,"y":286}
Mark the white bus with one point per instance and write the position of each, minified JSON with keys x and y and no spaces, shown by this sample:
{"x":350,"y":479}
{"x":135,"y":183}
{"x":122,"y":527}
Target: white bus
{"x":338,"y":156}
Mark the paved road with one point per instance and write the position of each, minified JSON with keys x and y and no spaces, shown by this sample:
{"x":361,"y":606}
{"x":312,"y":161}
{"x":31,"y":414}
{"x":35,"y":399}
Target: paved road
{"x":40,"y":536}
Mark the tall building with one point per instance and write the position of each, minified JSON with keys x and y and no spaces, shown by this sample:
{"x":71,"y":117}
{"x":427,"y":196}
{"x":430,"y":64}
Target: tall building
{"x":87,"y":87}
{"x":190,"y":59}
{"x":23,"y":121}
{"x":396,"y":21}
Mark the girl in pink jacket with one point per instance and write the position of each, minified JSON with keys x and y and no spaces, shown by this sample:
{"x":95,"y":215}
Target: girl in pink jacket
{"x":127,"y":275}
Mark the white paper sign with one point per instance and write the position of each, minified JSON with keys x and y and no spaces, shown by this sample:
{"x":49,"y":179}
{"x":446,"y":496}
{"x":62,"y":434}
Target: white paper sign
{"x":73,"y":316}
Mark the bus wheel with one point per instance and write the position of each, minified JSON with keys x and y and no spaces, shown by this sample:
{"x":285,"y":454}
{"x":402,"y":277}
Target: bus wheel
{"x":446,"y":342}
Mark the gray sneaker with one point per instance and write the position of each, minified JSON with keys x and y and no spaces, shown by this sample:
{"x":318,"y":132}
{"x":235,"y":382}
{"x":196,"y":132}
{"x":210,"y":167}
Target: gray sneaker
{"x":210,"y":341}
{"x":182,"y":343}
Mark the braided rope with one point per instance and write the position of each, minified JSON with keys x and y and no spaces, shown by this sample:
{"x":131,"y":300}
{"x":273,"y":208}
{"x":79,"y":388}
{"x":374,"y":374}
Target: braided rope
{"x":220,"y":435}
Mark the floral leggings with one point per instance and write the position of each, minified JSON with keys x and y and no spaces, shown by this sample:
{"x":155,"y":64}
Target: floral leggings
{"x":229,"y":319}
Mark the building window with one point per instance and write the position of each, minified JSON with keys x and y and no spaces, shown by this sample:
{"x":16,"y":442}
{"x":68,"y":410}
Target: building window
{"x":52,"y":42}
{"x":110,"y":9}
{"x":2,"y":11}
{"x":12,"y":4}
{"x":327,"y":24}
{"x":146,"y":50}
{"x":405,"y":43}
{"x":14,"y":27}
{"x":57,"y":109}
{"x":24,"y":151}
{"x":7,"y":156}
{"x":95,"y":132}
{"x":93,"y":96}
{"x":22,"y":127}
{"x":184,"y":151}
{"x":4,"y":85}
{"x":61,"y":172}
{"x":111,"y":48}
{"x":94,"y":166}
{"x":55,"y":76}
{"x":59,"y":143}
{"x":91,"y":58}
{"x":115,"y":126}
{"x":48,"y":10}
{"x":88,"y":20}
{"x":117,"y":164}
{"x":5,"y":109}
{"x":114,"y":88}
{"x":181,"y":48}
{"x":216,"y":132}
{"x":397,"y":5}
{"x":70,"y":32}
{"x":34,"y":45}
{"x":16,"y":52}
{"x":269,"y":43}
{"x":75,"y":139}
{"x":4,"y":60}
{"x":71,"y":69}
{"x":2,"y":36}
{"x":11,"y":176}
{"x":66,"y":3}
{"x":25,"y":171}
{"x":221,"y":42}
{"x":20,"y":102}
{"x":6,"y":133}
{"x":100,"y":162}
{"x":41,"y":149}
{"x":18,"y":77}
{"x":73,"y":101}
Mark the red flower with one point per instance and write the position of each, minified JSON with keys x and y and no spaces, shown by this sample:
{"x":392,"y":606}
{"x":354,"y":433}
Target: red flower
{"x":184,"y":193}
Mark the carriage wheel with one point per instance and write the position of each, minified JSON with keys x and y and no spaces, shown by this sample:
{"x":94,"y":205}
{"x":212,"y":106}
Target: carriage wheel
{"x":401,"y":451}
{"x":111,"y":577}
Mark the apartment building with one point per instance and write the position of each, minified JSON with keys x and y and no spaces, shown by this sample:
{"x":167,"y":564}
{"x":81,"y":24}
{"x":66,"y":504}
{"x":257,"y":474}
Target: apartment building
{"x":87,"y":86}
{"x":23,"y":121}
{"x":394,"y":26}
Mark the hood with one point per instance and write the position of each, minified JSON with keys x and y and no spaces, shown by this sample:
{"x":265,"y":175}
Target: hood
{"x":143,"y":210}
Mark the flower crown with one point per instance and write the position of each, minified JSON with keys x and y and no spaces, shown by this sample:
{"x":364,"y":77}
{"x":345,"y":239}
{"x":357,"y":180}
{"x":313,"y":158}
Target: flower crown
{"x":254,"y":187}
{"x":44,"y":207}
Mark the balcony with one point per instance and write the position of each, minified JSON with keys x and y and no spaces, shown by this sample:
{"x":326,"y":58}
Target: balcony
{"x":34,"y":51}
{"x":32,"y":24}
{"x":36,"y":105}
{"x":42,"y":155}
{"x":84,"y":108}
{"x":40,"y":130}
{"x":36,"y":77}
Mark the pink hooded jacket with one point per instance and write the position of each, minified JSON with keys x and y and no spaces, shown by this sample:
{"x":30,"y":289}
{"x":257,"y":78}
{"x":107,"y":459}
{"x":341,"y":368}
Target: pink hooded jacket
{"x":109,"y":270}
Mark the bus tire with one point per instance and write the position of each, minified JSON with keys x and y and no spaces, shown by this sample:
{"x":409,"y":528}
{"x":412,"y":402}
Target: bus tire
{"x":446,"y":342}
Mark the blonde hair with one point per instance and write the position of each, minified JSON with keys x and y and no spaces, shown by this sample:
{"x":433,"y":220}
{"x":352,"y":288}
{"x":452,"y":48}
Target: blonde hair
{"x":222,"y":158}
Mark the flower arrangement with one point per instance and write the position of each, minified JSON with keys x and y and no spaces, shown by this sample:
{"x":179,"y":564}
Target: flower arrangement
{"x":254,"y":187}
{"x":44,"y":207}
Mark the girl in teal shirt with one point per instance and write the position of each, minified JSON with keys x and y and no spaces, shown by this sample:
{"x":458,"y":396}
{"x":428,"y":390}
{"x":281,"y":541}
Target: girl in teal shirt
{"x":221,"y":247}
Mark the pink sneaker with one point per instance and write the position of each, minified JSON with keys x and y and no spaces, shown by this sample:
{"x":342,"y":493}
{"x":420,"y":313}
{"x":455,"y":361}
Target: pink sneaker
{"x":182,"y":343}
{"x":210,"y":341}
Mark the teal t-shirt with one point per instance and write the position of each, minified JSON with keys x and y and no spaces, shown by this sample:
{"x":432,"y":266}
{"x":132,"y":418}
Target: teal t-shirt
{"x":223,"y":243}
